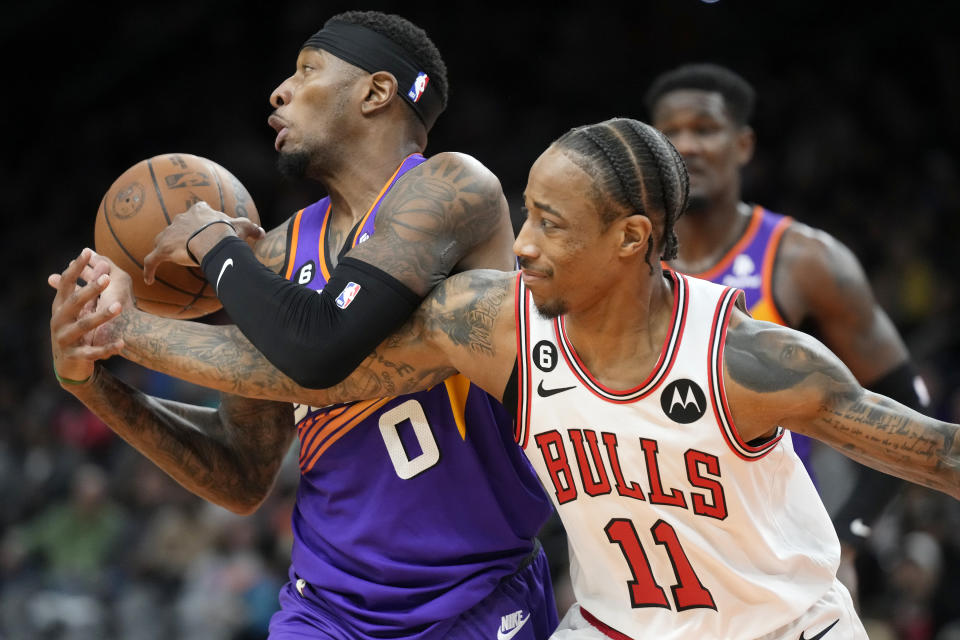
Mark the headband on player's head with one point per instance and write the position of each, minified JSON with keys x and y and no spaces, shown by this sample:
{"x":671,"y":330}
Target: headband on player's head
{"x":372,"y":52}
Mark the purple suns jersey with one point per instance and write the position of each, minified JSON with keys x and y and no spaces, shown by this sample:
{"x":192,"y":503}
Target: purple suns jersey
{"x":410,"y":509}
{"x":748,"y":266}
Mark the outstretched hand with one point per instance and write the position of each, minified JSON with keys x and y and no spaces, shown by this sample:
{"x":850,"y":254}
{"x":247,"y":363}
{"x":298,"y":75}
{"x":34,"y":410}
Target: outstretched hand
{"x":199,"y":226}
{"x":79,"y":331}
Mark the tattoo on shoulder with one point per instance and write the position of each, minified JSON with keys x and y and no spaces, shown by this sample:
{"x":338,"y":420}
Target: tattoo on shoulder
{"x":773,"y":359}
{"x":431,"y":219}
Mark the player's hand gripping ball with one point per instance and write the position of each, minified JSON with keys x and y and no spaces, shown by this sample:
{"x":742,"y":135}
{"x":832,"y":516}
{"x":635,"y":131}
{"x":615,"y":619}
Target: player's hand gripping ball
{"x":142,"y":202}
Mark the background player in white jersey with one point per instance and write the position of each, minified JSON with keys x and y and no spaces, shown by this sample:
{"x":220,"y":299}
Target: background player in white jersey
{"x":651,"y":404}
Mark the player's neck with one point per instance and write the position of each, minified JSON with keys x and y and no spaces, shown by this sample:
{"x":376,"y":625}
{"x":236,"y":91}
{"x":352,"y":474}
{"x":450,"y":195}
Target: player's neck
{"x":619,"y":337}
{"x":356,"y":184}
{"x":707,"y":235}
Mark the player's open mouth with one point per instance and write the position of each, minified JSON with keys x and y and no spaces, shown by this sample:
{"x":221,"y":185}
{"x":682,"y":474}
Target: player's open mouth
{"x":278,"y":125}
{"x":280,"y":138}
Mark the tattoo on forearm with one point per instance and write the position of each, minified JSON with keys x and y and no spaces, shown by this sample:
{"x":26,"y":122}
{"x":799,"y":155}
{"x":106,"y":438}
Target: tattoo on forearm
{"x":222,"y":358}
{"x":886,"y":425}
{"x":886,"y":435}
{"x":472,"y":325}
{"x":229,"y":456}
{"x":834,"y":408}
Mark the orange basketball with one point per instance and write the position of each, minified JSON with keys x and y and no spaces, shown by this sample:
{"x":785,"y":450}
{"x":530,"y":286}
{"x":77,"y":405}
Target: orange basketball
{"x":142,"y":202}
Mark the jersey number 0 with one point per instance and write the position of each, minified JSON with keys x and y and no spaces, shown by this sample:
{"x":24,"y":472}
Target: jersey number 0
{"x":390,"y":422}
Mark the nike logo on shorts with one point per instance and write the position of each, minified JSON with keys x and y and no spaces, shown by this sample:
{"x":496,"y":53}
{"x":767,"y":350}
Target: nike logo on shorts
{"x":511,"y":624}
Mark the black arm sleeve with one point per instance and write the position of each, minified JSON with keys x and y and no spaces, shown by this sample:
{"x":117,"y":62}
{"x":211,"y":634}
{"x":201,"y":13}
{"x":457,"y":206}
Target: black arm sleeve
{"x":873,"y":490}
{"x":317,"y":340}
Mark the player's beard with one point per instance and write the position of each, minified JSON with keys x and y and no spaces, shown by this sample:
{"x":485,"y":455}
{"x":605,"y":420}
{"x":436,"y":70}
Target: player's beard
{"x":293,"y":165}
{"x":550,"y":309}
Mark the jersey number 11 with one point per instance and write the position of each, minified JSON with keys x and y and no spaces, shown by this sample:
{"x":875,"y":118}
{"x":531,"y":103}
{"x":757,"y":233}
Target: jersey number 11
{"x":688,"y":592}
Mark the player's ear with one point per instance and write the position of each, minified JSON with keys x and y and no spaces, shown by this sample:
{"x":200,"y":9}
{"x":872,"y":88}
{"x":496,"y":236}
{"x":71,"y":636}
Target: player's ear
{"x":634,"y":234}
{"x":381,"y":88}
{"x":746,"y":141}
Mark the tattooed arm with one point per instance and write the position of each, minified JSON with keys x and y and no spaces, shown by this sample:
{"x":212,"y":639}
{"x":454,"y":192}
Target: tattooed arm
{"x":229,"y":456}
{"x":821,"y":288}
{"x":466,"y":321}
{"x":447,"y":213}
{"x":777,"y":376}
{"x":470,"y":320}
{"x":465,"y":324}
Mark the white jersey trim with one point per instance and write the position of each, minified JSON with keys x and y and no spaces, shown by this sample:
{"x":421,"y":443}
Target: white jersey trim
{"x":718,"y":396}
{"x":668,"y":352}
{"x":522,"y":429}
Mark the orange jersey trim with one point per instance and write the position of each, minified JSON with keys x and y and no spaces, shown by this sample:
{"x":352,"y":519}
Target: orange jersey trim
{"x":332,"y":430}
{"x":736,"y":249}
{"x":458,"y":388}
{"x":769,"y":258}
{"x":294,"y":237}
{"x":366,"y":216}
{"x":322,"y":249}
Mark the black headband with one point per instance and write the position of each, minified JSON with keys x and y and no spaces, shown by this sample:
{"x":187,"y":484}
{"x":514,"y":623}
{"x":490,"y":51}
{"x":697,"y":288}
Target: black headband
{"x":372,"y":52}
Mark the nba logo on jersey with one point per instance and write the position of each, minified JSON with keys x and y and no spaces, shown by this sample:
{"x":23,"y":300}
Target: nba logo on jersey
{"x":363,"y":238}
{"x":418,"y":86}
{"x":347,"y":295}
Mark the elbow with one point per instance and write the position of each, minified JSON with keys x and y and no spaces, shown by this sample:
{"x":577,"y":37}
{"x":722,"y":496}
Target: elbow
{"x":242,"y":505}
{"x":243,"y":508}
{"x":246,"y":497}
{"x":245,"y":503}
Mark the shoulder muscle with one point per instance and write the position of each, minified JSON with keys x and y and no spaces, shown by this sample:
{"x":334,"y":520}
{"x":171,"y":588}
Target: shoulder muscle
{"x":436,"y":215}
{"x":778,"y":376}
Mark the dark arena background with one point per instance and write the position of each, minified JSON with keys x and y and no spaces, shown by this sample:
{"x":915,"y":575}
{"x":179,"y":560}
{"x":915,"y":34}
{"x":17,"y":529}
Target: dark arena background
{"x":857,"y":133}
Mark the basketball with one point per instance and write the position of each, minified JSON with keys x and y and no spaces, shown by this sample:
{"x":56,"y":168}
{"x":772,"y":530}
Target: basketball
{"x":142,"y":202}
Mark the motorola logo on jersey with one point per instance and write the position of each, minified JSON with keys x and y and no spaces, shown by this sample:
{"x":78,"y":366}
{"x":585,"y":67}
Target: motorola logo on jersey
{"x":683,"y":401}
{"x":545,"y":355}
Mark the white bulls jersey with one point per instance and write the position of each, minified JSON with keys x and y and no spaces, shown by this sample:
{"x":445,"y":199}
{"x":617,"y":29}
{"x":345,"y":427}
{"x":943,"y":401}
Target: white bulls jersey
{"x":677,"y":528}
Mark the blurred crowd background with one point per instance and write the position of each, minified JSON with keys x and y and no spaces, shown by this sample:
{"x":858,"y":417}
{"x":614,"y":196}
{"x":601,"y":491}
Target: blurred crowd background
{"x":857,"y":134}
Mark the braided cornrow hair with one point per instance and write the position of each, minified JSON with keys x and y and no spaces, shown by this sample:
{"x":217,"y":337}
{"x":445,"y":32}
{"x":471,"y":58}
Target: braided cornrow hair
{"x":636,"y":170}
